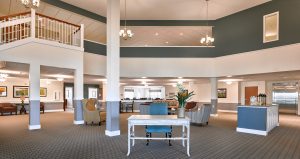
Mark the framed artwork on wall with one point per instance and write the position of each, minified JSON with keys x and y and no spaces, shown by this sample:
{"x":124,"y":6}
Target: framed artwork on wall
{"x":20,"y":90}
{"x":3,"y":91}
{"x":43,"y":92}
{"x":271,"y":27}
{"x":222,"y":93}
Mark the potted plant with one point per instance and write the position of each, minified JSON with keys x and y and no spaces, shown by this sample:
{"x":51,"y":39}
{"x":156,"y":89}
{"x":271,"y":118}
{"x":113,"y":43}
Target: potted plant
{"x":182,"y":97}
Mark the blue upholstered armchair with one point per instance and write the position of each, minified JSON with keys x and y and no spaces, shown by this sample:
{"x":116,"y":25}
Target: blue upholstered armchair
{"x":158,"y":109}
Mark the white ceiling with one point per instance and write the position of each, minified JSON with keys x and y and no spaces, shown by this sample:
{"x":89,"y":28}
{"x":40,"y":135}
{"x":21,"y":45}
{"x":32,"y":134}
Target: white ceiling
{"x":170,"y":9}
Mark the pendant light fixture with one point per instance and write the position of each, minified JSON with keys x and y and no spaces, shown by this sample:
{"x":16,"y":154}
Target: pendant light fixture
{"x":126,"y":33}
{"x":31,"y":3}
{"x":207,"y":40}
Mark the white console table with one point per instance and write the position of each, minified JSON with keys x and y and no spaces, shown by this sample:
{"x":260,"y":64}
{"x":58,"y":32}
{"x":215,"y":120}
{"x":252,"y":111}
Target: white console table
{"x":159,"y":120}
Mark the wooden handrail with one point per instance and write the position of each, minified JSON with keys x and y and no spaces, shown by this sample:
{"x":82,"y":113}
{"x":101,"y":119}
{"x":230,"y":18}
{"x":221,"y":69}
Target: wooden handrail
{"x":57,"y":20}
{"x":13,"y":15}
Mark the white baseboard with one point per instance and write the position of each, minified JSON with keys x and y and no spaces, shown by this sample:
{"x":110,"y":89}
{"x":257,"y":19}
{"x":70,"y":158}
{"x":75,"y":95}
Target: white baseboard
{"x":112,"y":133}
{"x":34,"y":127}
{"x":54,"y":110}
{"x":214,"y":115}
{"x":251,"y":131}
{"x":80,"y":122}
{"x":136,"y":111}
{"x":227,"y":111}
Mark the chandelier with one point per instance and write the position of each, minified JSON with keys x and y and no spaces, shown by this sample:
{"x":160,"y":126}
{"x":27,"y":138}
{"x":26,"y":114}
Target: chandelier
{"x":31,"y":3}
{"x":126,"y":33}
{"x":207,"y":40}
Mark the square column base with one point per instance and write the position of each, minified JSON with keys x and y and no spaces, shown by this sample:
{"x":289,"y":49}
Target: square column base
{"x":112,"y":133}
{"x":80,"y":122}
{"x":34,"y":127}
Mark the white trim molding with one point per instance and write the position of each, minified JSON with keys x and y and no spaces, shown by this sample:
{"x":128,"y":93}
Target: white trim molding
{"x":112,"y":133}
{"x":54,"y":110}
{"x":34,"y":127}
{"x":251,"y":131}
{"x":80,"y":122}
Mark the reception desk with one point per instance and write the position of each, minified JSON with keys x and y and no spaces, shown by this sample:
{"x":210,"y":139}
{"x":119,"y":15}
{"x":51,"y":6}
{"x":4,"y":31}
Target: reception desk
{"x":258,"y":120}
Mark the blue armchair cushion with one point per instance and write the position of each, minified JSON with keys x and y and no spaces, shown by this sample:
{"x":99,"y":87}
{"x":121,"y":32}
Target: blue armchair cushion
{"x":158,"y":129}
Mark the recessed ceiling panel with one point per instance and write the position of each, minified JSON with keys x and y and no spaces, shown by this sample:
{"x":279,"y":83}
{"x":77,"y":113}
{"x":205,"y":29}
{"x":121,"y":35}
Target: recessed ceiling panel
{"x":170,"y":9}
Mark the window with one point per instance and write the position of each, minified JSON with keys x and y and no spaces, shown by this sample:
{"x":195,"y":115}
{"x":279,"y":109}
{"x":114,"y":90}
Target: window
{"x":271,"y":27}
{"x":93,"y":93}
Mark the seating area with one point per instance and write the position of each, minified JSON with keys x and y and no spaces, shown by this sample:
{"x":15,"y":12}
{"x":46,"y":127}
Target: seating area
{"x":115,"y":79}
{"x":8,"y":108}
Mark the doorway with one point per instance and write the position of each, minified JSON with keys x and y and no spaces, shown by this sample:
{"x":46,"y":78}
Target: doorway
{"x":69,"y":97}
{"x":250,"y":91}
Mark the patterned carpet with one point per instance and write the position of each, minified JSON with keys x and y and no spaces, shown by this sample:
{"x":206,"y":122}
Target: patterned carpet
{"x":59,"y":138}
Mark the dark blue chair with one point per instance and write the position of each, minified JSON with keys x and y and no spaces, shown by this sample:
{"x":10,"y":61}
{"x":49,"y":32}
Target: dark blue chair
{"x":158,"y":109}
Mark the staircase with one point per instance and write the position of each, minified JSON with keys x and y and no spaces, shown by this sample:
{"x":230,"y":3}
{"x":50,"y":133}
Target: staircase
{"x":33,"y":25}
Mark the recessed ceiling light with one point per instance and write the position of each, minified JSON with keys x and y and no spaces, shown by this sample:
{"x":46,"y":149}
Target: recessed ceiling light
{"x":156,"y":34}
{"x":60,"y":78}
{"x":180,"y":77}
{"x":229,"y":76}
{"x":10,"y":72}
{"x":229,"y":82}
{"x":144,"y":77}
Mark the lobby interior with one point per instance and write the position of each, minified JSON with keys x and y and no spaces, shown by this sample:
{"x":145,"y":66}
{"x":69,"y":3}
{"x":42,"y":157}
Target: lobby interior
{"x":63,"y":51}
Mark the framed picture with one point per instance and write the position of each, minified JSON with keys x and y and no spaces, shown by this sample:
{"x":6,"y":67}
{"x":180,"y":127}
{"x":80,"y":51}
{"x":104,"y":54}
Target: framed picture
{"x":3,"y":91}
{"x":271,"y":27}
{"x":43,"y":92}
{"x":20,"y":90}
{"x":222,"y":93}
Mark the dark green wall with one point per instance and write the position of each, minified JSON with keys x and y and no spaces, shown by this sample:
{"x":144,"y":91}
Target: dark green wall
{"x":161,"y":52}
{"x":243,"y":31}
{"x":94,"y":48}
{"x":237,"y":33}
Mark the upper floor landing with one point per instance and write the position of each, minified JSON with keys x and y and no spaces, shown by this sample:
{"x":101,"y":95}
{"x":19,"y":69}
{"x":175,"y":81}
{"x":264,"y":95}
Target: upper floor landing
{"x":30,"y":26}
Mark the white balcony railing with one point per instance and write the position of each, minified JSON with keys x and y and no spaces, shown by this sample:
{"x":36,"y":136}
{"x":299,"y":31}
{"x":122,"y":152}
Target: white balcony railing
{"x":30,"y":24}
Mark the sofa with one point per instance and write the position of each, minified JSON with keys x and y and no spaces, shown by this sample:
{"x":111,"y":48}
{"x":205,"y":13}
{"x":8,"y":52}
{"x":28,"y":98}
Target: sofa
{"x":8,"y":108}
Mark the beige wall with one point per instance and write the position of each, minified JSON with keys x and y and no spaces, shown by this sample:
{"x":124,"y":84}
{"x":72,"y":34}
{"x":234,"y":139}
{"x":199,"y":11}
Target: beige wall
{"x":51,"y":88}
{"x":203,"y":92}
{"x":261,"y":88}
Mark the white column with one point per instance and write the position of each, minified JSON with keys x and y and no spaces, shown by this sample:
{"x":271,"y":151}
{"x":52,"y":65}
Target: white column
{"x":78,"y":96}
{"x":33,"y":23}
{"x":113,"y":68}
{"x":82,"y":35}
{"x":34,"y":97}
{"x":214,"y":95}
